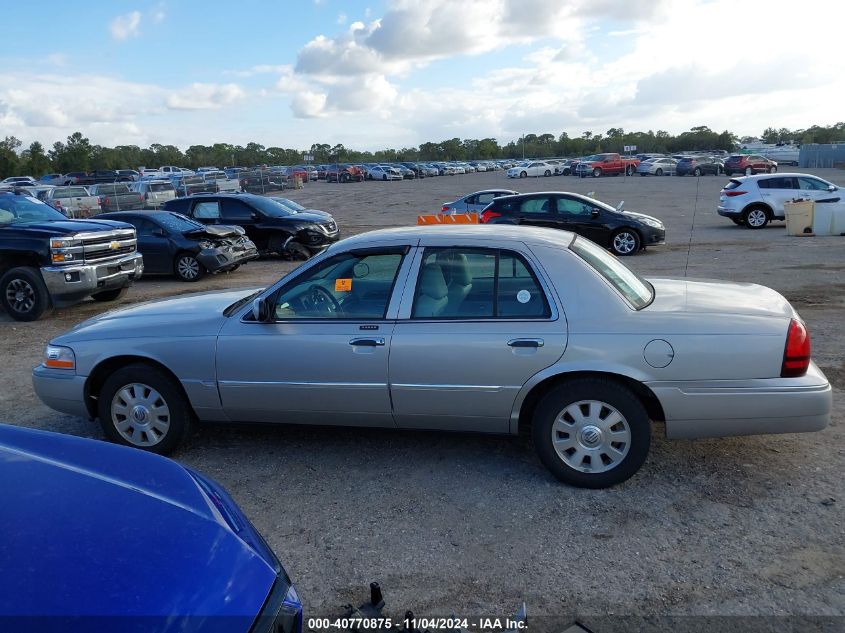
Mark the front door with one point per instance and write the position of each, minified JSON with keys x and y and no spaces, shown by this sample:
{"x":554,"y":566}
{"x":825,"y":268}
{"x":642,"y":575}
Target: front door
{"x":478,"y":325}
{"x":323,"y":358}
{"x":578,"y":216}
{"x":154,"y":245}
{"x":538,"y":211}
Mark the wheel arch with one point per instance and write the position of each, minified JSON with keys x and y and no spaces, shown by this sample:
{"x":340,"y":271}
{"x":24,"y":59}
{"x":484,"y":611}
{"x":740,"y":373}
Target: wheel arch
{"x":525,"y":406}
{"x":102,"y":370}
{"x":759,"y":204}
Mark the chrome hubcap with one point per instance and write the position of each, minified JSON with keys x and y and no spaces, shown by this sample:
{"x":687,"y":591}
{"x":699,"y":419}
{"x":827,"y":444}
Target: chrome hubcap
{"x":756,"y":218}
{"x":624,"y":243}
{"x":188,"y":267}
{"x":591,"y":436}
{"x":20,"y":295}
{"x":140,"y":415}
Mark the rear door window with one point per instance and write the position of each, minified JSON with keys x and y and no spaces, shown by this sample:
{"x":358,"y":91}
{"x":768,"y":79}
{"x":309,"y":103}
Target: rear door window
{"x":207,"y":210}
{"x":535,"y":206}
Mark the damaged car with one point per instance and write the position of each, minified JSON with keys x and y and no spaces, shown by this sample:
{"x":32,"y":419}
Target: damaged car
{"x":173,"y":244}
{"x":275,"y":228}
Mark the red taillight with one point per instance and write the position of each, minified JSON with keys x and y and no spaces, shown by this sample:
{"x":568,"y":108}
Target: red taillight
{"x":106,"y":200}
{"x":57,"y":204}
{"x":444,"y":208}
{"x":731,"y":194}
{"x":796,"y":354}
{"x":488,"y":215}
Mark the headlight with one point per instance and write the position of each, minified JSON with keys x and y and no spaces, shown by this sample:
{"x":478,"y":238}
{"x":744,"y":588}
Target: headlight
{"x":57,"y":357}
{"x":64,"y":249}
{"x":652,"y":223}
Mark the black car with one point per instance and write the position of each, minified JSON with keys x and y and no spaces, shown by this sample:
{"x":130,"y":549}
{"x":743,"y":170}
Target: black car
{"x":173,"y":244}
{"x":623,"y":232}
{"x":699,"y":166}
{"x":273,"y":226}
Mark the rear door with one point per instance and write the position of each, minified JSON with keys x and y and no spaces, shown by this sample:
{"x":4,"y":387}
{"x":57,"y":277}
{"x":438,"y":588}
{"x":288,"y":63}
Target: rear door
{"x":778,"y":190}
{"x":476,"y":323}
{"x":205,"y":211}
{"x":538,"y":210}
{"x":583,"y":218}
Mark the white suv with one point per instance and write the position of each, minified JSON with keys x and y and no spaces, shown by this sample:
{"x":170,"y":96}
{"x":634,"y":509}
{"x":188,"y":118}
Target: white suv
{"x":756,"y":200}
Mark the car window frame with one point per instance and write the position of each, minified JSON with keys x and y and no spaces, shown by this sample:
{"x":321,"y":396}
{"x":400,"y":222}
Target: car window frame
{"x":529,"y":264}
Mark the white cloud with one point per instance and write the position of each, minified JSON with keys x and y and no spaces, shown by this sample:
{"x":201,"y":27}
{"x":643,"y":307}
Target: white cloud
{"x":341,"y":19}
{"x":201,"y":96}
{"x":125,"y":26}
{"x":159,"y":13}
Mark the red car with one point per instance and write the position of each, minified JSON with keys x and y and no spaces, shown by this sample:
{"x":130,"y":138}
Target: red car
{"x":344,"y":173}
{"x":749,"y":164}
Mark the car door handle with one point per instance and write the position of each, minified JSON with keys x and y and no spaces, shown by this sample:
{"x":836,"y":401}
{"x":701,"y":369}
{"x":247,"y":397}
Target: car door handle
{"x":526,"y":342}
{"x":367,"y":342}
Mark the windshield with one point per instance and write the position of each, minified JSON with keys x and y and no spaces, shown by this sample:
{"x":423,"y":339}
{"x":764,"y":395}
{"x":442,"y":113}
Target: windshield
{"x":178,"y":223}
{"x":290,"y":204}
{"x":271,"y":207}
{"x":634,"y":288}
{"x":70,"y":192}
{"x":16,"y":209}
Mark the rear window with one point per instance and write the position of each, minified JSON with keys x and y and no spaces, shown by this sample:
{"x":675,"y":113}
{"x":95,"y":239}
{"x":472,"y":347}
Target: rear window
{"x":629,"y":284}
{"x":161,"y":186}
{"x":112,"y":189}
{"x":69,"y":192}
{"x":733,"y":184}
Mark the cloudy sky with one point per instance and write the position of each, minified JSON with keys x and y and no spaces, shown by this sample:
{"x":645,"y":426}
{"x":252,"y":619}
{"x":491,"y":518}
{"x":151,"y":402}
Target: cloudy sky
{"x":375,"y":74}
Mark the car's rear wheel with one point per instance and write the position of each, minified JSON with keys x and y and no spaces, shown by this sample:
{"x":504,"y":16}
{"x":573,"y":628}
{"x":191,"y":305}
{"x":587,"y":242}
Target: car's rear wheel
{"x":625,"y":242}
{"x":596,"y":173}
{"x":696,"y":172}
{"x":755,"y":217}
{"x":749,"y":171}
{"x":629,"y":170}
{"x":523,"y":174}
{"x":591,"y":432}
{"x":547,"y":173}
{"x":24,"y":294}
{"x":344,"y":177}
{"x":188,"y":268}
{"x":141,"y":406}
{"x":110,"y":295}
{"x":659,"y":172}
{"x":773,"y":169}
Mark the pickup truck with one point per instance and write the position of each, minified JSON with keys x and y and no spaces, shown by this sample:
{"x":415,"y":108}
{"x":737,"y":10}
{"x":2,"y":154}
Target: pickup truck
{"x":599,"y":165}
{"x":222,"y":181}
{"x":48,"y":261}
{"x":190,"y":185}
{"x":73,"y":201}
{"x":117,"y":197}
{"x":96,"y":177}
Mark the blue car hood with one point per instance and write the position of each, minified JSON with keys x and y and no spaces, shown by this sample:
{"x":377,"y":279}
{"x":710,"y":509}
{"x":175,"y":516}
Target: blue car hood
{"x":91,"y":529}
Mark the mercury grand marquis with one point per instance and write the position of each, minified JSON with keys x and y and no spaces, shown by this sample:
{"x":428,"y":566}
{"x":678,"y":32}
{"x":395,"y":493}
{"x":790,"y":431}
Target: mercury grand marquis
{"x":493,"y":329}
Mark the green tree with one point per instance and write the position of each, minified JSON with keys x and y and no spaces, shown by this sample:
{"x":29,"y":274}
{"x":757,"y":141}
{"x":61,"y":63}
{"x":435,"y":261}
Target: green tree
{"x":9,"y":160}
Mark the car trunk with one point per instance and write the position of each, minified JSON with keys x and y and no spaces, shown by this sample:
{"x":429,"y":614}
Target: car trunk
{"x":718,"y":297}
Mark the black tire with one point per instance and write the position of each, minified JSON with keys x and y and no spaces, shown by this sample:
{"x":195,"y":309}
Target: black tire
{"x":625,"y":242}
{"x":753,"y":219}
{"x":187,"y":268}
{"x":749,"y":171}
{"x":344,"y":178}
{"x":523,"y":174}
{"x":24,"y":294}
{"x":696,"y":172}
{"x":773,"y":169}
{"x":384,"y":177}
{"x":600,"y":391}
{"x":547,"y":173}
{"x":728,"y":173}
{"x":629,"y":170}
{"x":297,"y":252}
{"x":110,"y":295}
{"x":659,"y":172}
{"x":179,"y":418}
{"x":597,"y":173}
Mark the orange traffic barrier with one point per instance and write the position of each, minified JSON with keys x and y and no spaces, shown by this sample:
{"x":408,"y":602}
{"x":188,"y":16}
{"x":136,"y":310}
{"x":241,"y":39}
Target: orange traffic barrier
{"x":458,"y":218}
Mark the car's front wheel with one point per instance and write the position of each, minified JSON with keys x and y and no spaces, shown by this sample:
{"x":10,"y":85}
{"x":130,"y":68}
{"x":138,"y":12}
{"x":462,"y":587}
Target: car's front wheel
{"x":773,"y":169}
{"x":591,"y":432}
{"x":547,"y":173}
{"x":749,"y":171}
{"x":696,"y":172}
{"x":596,"y":173}
{"x":188,"y":268}
{"x":625,"y":242}
{"x":523,"y":174}
{"x":24,"y":294}
{"x":659,"y":172}
{"x":141,"y":406}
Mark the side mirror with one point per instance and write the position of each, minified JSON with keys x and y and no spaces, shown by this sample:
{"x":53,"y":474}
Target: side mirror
{"x":159,"y":233}
{"x":261,"y":310}
{"x":832,"y":188}
{"x":594,"y":213}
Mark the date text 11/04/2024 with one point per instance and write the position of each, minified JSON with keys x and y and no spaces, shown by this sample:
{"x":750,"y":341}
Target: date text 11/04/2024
{"x":483,"y":624}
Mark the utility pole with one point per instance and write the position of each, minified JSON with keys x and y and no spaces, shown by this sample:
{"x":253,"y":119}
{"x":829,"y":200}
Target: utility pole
{"x":523,"y":146}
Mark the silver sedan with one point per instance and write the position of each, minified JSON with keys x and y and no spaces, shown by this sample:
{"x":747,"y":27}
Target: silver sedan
{"x":479,"y":328}
{"x":657,"y":167}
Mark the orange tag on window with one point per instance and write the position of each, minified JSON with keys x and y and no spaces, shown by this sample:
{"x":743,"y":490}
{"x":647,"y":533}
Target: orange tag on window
{"x":342,"y":285}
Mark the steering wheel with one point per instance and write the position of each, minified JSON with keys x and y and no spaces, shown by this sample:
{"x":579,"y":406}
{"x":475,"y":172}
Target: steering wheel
{"x":322,"y":299}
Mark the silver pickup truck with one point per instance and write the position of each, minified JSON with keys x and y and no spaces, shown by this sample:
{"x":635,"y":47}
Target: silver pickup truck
{"x":117,"y":197}
{"x":74,"y":201}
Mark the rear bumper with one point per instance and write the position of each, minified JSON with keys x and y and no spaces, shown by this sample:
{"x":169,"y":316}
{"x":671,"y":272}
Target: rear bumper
{"x":728,"y":213}
{"x":722,"y":408}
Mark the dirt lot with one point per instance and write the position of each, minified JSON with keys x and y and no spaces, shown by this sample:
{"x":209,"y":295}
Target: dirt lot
{"x":472,"y":525}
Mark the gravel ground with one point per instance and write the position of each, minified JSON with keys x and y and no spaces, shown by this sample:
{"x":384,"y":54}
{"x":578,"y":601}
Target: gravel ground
{"x":453,"y":523}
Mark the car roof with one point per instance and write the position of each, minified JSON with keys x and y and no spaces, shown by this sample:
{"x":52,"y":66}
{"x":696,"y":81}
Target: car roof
{"x":501,"y":233}
{"x":778,"y":174}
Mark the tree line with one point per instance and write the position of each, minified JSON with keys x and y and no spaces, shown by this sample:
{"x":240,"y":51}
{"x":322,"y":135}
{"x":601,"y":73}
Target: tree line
{"x":77,"y":153}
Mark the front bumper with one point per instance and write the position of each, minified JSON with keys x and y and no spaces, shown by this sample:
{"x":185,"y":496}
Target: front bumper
{"x":227,"y":257}
{"x":721,"y":408}
{"x":653,"y":236}
{"x":61,"y":389}
{"x":70,"y":284}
